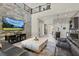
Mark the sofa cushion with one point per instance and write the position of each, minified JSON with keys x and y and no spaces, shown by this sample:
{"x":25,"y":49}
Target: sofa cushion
{"x":2,"y":54}
{"x":62,"y":39}
{"x":64,"y":45}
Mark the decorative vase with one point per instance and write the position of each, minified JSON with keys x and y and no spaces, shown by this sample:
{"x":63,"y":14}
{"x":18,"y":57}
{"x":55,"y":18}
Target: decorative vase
{"x":36,"y":39}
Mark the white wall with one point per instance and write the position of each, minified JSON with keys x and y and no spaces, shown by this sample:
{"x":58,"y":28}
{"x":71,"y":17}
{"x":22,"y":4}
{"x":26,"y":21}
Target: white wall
{"x":60,"y":23}
{"x":41,"y":29}
{"x":48,"y":17}
{"x":52,"y":24}
{"x":35,"y":18}
{"x":55,"y":23}
{"x":34,"y":25}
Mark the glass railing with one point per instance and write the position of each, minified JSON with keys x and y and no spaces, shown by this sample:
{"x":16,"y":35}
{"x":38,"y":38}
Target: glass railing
{"x":24,"y":7}
{"x":41,"y":8}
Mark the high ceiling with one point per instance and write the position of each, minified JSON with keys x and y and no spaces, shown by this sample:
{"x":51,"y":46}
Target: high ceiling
{"x":57,"y":8}
{"x":33,"y":5}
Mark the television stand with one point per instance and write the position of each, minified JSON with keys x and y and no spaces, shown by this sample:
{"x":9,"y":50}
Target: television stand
{"x":15,"y":38}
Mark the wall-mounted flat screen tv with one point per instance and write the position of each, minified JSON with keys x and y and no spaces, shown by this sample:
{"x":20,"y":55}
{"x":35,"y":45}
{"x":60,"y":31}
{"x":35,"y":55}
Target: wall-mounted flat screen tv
{"x":12,"y":24}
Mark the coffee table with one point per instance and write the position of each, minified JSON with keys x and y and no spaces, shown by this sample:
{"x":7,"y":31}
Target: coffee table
{"x":34,"y":45}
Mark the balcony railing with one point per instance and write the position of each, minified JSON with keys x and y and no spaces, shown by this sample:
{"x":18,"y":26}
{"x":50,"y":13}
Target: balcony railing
{"x":41,"y":8}
{"x":24,"y":7}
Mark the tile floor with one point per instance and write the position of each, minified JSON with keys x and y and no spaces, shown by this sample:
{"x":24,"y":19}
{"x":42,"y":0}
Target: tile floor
{"x":49,"y":50}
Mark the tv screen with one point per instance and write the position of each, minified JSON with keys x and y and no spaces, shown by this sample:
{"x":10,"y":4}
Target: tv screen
{"x":12,"y":24}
